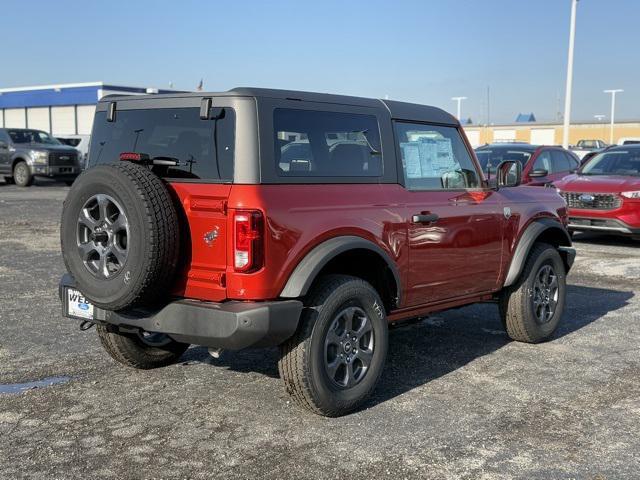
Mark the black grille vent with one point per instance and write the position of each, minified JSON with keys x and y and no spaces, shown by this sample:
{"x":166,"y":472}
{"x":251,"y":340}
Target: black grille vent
{"x":62,"y":159}
{"x":592,"y":201}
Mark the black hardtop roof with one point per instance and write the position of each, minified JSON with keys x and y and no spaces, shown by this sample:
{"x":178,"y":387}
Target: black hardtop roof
{"x":399,"y":110}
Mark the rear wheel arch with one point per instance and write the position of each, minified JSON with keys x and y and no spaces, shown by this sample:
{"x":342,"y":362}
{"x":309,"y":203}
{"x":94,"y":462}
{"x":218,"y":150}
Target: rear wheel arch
{"x":348,"y":255}
{"x":542,"y":230}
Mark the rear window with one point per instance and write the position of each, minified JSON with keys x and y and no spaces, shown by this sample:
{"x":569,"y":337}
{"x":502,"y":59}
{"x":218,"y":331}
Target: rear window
{"x":203,"y":149}
{"x":326,"y":144}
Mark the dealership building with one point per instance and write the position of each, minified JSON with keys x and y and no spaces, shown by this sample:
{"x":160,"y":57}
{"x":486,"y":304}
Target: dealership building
{"x":540,"y":133}
{"x":64,"y":109}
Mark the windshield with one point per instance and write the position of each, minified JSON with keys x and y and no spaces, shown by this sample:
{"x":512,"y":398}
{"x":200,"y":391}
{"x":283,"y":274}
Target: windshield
{"x":490,"y":158}
{"x":616,"y":162}
{"x":32,"y":136}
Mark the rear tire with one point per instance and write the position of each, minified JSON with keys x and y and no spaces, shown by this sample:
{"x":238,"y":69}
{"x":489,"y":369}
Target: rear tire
{"x":22,"y":174}
{"x":137,"y":351}
{"x":531,"y":309}
{"x":334,"y":360}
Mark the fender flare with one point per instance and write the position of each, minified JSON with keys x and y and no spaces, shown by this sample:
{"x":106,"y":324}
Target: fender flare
{"x":307,"y":270}
{"x":528,"y":238}
{"x":19,"y":157}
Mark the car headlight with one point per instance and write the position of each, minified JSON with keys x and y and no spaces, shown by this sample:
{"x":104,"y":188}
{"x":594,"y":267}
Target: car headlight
{"x":635,"y":195}
{"x":38,"y":157}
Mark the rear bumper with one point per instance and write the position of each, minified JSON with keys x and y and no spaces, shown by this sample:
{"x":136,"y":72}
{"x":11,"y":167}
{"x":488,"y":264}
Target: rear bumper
{"x":232,"y":325}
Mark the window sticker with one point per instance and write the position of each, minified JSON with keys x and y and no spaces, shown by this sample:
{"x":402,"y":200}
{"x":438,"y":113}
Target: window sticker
{"x":428,"y":157}
{"x":411,"y":159}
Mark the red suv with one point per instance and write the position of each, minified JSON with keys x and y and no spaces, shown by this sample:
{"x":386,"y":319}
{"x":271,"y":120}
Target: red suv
{"x":604,"y":195}
{"x":541,"y":165}
{"x":308,"y":221}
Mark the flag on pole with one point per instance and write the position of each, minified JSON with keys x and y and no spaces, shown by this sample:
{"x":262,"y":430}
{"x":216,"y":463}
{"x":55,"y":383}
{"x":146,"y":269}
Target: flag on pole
{"x":200,"y":85}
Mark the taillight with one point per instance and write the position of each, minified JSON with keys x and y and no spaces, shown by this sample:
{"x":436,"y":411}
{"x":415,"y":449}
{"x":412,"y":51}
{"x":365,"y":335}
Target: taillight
{"x":247,"y":242}
{"x":133,"y":157}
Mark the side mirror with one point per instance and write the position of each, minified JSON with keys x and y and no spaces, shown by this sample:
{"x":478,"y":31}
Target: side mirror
{"x":538,"y":172}
{"x":3,"y":145}
{"x":509,"y":174}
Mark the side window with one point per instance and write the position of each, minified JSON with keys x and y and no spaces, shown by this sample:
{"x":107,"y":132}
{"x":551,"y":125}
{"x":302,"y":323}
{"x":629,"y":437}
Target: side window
{"x":559,"y":162}
{"x":543,"y":162}
{"x":434,"y":158}
{"x":4,"y":137}
{"x":573,"y":163}
{"x":326,"y":144}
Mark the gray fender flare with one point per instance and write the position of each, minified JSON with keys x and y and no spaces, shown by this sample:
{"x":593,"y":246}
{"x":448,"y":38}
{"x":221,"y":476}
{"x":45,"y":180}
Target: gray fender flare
{"x":306,"y":271}
{"x":528,"y":238}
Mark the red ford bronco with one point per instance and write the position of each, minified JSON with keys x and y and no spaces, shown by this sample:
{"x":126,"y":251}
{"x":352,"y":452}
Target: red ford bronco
{"x":256,"y":218}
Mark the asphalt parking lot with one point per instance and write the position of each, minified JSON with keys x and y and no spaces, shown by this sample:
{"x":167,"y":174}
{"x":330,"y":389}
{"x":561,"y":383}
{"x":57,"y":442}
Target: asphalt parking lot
{"x":457,"y":399}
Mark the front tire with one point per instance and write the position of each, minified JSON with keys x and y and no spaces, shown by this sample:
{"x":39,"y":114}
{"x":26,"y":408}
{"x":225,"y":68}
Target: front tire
{"x":140,"y":350}
{"x":531,"y":309}
{"x":22,"y":174}
{"x":334,"y":360}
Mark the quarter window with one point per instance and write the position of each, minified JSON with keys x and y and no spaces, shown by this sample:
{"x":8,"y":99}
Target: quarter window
{"x":435,"y":158}
{"x":326,"y":144}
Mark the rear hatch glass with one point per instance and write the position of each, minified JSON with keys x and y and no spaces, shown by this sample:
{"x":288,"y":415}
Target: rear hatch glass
{"x":200,"y":149}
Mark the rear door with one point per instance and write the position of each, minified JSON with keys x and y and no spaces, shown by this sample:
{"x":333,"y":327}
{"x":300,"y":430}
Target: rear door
{"x":196,"y":157}
{"x":204,"y":233}
{"x":454,"y":226}
{"x":556,"y":162}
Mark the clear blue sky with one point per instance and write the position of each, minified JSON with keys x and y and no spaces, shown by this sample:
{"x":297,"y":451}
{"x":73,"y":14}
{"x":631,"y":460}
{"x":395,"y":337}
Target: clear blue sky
{"x":424,"y":51}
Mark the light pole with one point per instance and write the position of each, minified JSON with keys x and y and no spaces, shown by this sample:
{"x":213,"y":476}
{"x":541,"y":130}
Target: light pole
{"x":599,"y":118}
{"x":459,"y":100}
{"x":567,"y":96}
{"x":613,"y":110}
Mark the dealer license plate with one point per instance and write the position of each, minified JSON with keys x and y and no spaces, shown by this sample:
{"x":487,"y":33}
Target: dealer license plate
{"x":78,"y":306}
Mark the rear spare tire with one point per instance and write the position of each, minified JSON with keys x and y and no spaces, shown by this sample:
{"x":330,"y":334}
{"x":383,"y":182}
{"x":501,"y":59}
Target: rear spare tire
{"x":119,"y":235}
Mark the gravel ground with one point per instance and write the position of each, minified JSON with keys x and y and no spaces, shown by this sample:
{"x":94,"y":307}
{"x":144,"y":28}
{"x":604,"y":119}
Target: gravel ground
{"x":457,"y":398}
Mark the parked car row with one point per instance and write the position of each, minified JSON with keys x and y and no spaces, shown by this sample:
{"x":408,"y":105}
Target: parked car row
{"x":604,"y":194}
{"x":27,"y":153}
{"x":602,"y":191}
{"x":541,"y":165}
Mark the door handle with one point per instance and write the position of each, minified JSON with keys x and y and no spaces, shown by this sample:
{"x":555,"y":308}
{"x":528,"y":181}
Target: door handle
{"x":425,"y":218}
